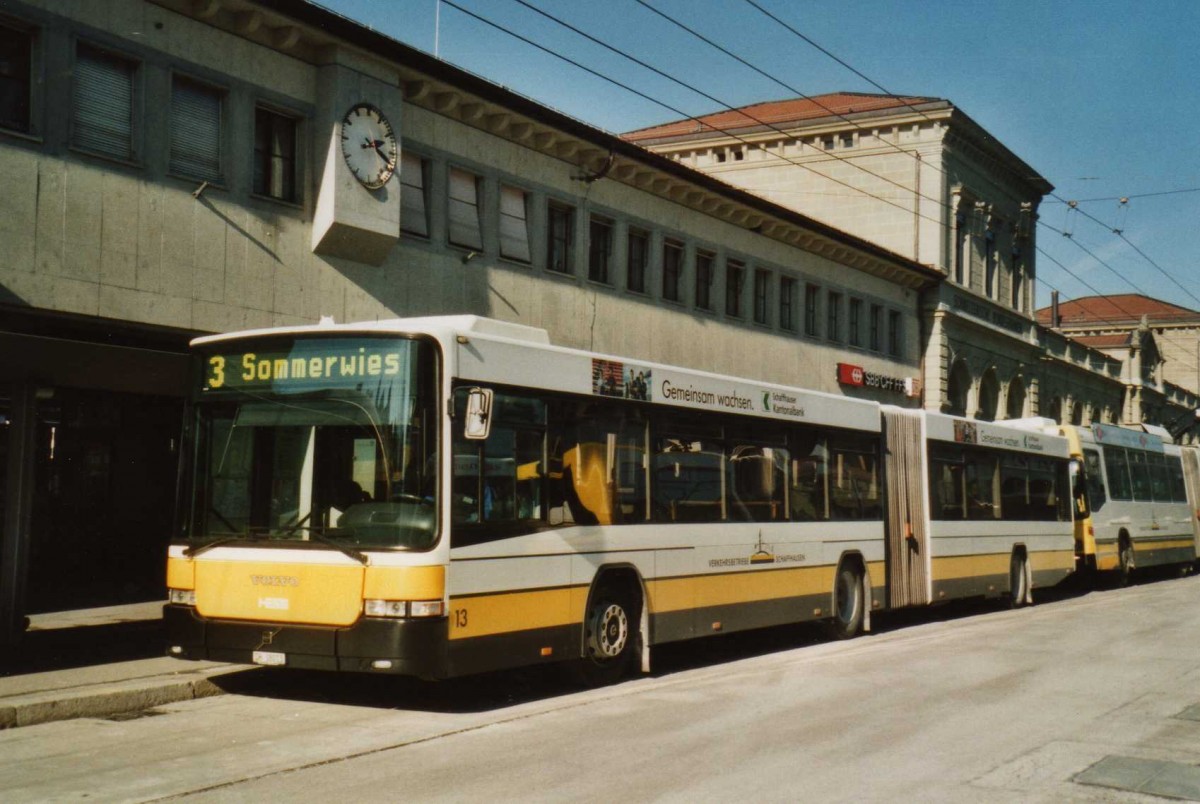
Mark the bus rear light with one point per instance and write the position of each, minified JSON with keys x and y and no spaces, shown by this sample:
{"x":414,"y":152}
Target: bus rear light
{"x":182,"y":597}
{"x":403,"y":608}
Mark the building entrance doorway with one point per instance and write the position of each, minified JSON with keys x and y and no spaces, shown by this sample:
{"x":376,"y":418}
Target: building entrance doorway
{"x":105,"y":466}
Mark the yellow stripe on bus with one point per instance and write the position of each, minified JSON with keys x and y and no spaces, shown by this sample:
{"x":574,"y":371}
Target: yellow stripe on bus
{"x":951,"y":567}
{"x":679,"y":594}
{"x":501,"y":613}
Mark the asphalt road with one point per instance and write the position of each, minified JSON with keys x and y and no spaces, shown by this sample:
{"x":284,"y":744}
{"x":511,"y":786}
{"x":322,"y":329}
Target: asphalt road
{"x":1084,"y":697}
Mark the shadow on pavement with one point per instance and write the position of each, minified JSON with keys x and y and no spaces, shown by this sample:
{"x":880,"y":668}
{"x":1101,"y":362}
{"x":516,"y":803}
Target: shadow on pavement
{"x":499,"y":690}
{"x":82,"y":646}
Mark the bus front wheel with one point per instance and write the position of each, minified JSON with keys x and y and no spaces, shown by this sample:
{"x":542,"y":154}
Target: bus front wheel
{"x":610,"y":637}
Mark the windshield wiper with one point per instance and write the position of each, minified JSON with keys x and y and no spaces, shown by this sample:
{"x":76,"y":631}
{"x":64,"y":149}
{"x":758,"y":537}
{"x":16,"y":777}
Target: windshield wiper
{"x":194,"y":550}
{"x":357,"y":555}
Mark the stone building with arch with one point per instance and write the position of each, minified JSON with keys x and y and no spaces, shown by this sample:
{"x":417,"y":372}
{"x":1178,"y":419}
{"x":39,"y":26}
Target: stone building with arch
{"x":918,"y":176}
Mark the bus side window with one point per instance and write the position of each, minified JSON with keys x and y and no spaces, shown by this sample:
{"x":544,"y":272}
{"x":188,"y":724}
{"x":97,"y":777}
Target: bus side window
{"x":596,"y":465}
{"x":500,"y":479}
{"x":808,"y":498}
{"x":853,"y":478}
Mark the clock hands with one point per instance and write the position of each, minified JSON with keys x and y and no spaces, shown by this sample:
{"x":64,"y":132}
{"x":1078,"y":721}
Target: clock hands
{"x":376,"y":146}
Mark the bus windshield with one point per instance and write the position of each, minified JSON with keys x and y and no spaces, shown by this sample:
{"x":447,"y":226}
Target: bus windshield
{"x":329,"y":440}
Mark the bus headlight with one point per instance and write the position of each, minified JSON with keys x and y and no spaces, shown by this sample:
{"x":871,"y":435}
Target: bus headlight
{"x":182,"y":597}
{"x":403,"y":608}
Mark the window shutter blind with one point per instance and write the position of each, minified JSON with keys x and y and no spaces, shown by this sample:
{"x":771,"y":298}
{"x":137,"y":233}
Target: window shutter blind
{"x":514,"y":227}
{"x":414,"y":217}
{"x":195,"y":131}
{"x":103,"y":103}
{"x":464,"y":210}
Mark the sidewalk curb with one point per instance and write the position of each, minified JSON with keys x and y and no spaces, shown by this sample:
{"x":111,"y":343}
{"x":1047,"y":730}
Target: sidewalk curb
{"x":114,"y":698}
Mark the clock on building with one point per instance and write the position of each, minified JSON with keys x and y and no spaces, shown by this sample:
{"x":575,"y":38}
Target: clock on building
{"x":369,"y":145}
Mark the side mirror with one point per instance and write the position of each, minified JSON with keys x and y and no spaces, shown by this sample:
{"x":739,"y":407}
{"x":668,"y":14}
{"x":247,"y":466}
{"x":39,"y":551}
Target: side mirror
{"x":478,"y":421}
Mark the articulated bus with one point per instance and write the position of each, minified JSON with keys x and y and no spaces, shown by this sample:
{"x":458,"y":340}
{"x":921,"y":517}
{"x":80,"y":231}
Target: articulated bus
{"x":1132,"y":496}
{"x":443,"y":496}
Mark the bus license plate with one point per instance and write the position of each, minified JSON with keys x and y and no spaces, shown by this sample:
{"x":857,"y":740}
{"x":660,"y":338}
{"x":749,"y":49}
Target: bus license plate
{"x":269,"y":658}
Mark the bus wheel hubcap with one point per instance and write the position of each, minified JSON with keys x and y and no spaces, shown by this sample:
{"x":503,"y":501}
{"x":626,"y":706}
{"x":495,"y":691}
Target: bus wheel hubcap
{"x":609,"y":632}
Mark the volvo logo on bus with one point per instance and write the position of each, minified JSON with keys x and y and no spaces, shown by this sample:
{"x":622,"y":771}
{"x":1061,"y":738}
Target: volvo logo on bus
{"x":274,"y":580}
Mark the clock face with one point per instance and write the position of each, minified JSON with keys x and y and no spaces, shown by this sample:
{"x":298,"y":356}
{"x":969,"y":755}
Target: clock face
{"x":369,"y":145}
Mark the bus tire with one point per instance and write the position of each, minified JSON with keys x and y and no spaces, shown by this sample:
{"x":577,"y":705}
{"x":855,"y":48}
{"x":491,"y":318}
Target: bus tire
{"x":1018,"y":579}
{"x":1126,"y":563}
{"x":611,"y":636}
{"x":849,"y":602}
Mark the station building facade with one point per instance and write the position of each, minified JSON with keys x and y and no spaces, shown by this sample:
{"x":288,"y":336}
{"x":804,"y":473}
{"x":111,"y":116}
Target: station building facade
{"x":921,"y":178}
{"x":174,"y":168}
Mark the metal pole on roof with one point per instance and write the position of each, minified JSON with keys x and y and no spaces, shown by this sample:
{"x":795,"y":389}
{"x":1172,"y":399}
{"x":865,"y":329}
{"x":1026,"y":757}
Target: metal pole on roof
{"x":437,"y":25}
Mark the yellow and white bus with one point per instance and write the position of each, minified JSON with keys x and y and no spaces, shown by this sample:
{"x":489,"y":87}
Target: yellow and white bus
{"x":444,"y":496}
{"x":1135,"y":511}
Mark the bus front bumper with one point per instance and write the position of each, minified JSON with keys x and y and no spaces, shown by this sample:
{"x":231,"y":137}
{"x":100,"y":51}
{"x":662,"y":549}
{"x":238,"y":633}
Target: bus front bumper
{"x":372,"y":645}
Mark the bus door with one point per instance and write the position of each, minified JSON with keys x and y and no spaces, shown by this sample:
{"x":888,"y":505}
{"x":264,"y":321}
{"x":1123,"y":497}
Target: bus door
{"x":907,"y":522}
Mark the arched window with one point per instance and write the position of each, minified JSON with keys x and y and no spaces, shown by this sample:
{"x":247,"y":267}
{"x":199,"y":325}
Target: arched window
{"x":1015,"y":405}
{"x":1077,"y":413}
{"x":956,"y":390}
{"x":989,"y":396}
{"x":1055,"y":410}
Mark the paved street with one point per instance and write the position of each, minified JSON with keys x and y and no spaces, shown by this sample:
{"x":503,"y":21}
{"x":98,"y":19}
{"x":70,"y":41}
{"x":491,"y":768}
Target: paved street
{"x":974,"y":703}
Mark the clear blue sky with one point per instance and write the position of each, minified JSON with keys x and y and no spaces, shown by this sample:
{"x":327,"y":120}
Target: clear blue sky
{"x":1100,"y":97}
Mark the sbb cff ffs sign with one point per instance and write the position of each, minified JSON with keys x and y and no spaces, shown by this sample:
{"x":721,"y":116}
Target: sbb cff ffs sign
{"x":850,"y":374}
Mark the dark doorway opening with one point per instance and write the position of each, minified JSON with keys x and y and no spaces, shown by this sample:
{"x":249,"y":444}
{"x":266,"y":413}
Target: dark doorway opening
{"x":103,"y":501}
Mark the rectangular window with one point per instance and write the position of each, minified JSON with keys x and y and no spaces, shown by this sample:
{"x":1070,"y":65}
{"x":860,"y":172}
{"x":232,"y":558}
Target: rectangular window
{"x":672,"y":269}
{"x":414,"y":198}
{"x":465,"y":229}
{"x":704,"y":276}
{"x":514,"y":224}
{"x":735,"y":275}
{"x":274,"y":155}
{"x":876,"y":325}
{"x":833,"y":315}
{"x":600,"y":234}
{"x":1018,"y":270}
{"x":960,"y":245}
{"x":989,"y":262}
{"x":894,"y":340}
{"x":102,"y":103}
{"x":810,"y":309}
{"x":637,"y":256}
{"x":16,"y":60}
{"x":560,"y":238}
{"x":196,"y":130}
{"x":854,"y":323}
{"x":787,"y":293}
{"x":761,"y":280}
{"x":1117,"y":473}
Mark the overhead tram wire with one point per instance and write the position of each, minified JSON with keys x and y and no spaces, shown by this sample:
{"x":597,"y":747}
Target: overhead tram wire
{"x":1059,"y":200}
{"x":912,"y":108}
{"x":790,"y":88}
{"x":671,"y":108}
{"x":667,"y":106}
{"x":1096,"y":292}
{"x":727,"y":106}
{"x":1121,"y":234}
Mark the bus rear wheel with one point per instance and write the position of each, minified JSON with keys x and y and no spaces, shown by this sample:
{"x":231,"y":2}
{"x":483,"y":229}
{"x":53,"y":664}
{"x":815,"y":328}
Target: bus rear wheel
{"x":848,"y":602}
{"x":1018,"y":580}
{"x":1125,"y":564}
{"x":610,"y":636}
